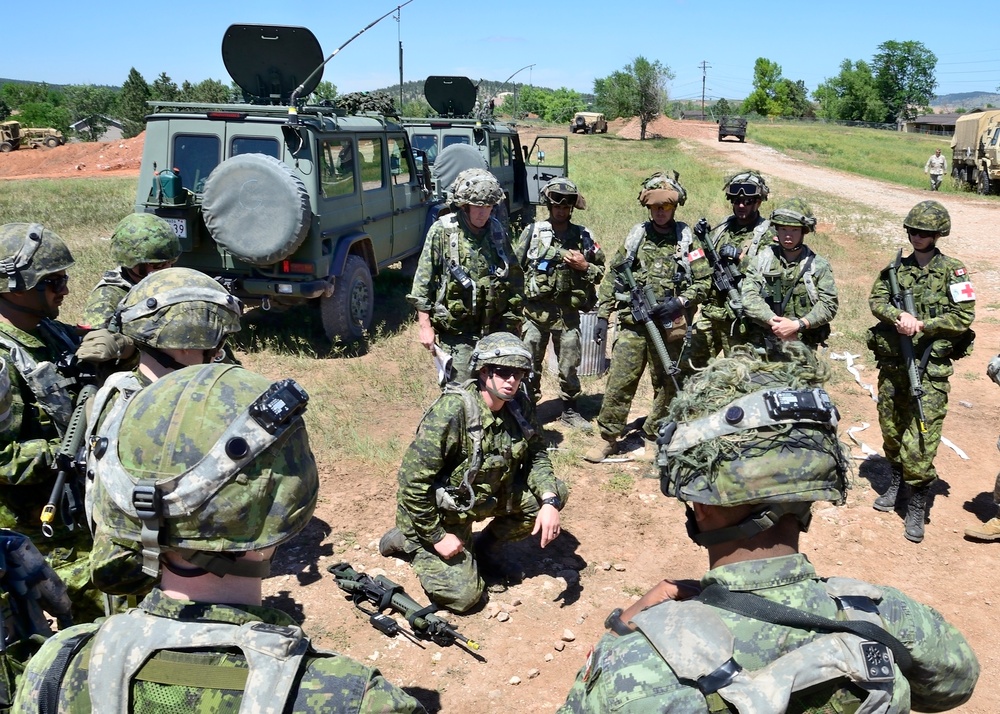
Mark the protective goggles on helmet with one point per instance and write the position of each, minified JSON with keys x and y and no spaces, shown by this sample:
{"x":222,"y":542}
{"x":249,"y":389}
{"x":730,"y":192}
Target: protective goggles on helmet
{"x":744,"y":188}
{"x":561,"y":199}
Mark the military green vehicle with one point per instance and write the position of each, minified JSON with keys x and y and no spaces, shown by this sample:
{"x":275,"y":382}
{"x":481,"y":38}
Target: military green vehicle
{"x":464,"y":120}
{"x":285,"y":202}
{"x":733,"y":126}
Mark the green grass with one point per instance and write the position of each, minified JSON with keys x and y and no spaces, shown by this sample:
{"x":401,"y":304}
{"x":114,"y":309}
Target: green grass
{"x":885,"y":155}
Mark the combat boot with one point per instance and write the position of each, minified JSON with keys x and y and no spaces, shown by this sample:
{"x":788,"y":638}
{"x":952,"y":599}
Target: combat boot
{"x":916,"y":514}
{"x":887,"y":501}
{"x":572,"y":418}
{"x":392,"y":543}
{"x":988,"y":531}
{"x":600,"y":452}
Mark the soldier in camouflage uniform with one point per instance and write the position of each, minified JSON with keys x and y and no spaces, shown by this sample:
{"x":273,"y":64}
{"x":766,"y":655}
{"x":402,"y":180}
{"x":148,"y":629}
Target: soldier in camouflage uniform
{"x":563,"y":266}
{"x":176,"y":317}
{"x":788,"y":291}
{"x":990,"y":531}
{"x":39,"y":382}
{"x":209,"y":469}
{"x":945,"y":304}
{"x":477,"y":455}
{"x":667,"y":260}
{"x":737,"y":240}
{"x":749,"y":447}
{"x":467,"y":283}
{"x":141,"y":244}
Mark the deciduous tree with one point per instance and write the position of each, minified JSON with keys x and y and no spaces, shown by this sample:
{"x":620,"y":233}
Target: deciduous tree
{"x":91,"y":104}
{"x":904,"y":76}
{"x":640,"y":89}
{"x":851,"y":95}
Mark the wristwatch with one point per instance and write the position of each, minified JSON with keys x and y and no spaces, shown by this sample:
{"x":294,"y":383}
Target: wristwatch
{"x":802,"y":325}
{"x":615,"y":624}
{"x":552,"y":501}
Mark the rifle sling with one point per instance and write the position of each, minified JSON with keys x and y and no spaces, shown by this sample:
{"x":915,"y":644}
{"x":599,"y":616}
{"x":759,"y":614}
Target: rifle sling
{"x":422,"y":613}
{"x":759,"y":608}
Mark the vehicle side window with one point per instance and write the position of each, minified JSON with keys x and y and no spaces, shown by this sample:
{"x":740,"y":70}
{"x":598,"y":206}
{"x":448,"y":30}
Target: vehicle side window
{"x":195,"y":155}
{"x":496,"y":155}
{"x":996,"y":137}
{"x":251,"y":145}
{"x":427,"y":143}
{"x":450,"y":139}
{"x":506,"y":151}
{"x":337,"y":167}
{"x":399,"y":162}
{"x":370,"y":154}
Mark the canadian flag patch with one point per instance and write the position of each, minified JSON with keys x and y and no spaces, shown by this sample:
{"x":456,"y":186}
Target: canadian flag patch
{"x":959,"y":272}
{"x":695,"y":255}
{"x":962,"y":292}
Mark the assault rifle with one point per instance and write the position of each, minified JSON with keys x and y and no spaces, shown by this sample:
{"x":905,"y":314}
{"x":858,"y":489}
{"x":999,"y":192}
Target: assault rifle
{"x":66,"y":464}
{"x":383,"y":594}
{"x":903,"y":300}
{"x":642,"y":301}
{"x":724,"y":278}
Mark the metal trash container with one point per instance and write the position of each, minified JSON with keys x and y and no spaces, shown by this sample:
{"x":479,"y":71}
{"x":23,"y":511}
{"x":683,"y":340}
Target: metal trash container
{"x":594,"y":360}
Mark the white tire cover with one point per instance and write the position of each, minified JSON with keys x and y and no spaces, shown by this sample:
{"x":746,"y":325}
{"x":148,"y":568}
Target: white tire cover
{"x":256,"y":208}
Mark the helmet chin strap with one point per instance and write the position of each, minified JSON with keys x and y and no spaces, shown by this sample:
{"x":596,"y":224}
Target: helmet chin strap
{"x":489,"y":388}
{"x":767,"y":517}
{"x":23,"y":309}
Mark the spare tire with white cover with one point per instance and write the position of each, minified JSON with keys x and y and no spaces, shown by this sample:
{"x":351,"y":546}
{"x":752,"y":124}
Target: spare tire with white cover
{"x":256,"y":208}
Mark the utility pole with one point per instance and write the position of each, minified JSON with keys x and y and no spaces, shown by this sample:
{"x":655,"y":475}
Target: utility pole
{"x":704,"y":70}
{"x":398,"y":18}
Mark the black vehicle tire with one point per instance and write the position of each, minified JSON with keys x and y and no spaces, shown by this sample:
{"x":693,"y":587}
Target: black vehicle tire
{"x":256,"y":208}
{"x":605,"y":129}
{"x":742,"y":139}
{"x":983,"y":183}
{"x":347,"y":314}
{"x":6,"y":147}
{"x":52,"y":142}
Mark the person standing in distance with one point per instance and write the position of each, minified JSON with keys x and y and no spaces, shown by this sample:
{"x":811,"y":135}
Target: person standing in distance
{"x":936,"y":167}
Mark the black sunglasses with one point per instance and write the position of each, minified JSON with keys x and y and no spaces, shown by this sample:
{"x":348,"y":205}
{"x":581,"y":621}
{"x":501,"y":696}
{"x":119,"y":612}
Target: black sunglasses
{"x":55,"y":282}
{"x":922,"y":234}
{"x":750,"y":190}
{"x":508,"y":372}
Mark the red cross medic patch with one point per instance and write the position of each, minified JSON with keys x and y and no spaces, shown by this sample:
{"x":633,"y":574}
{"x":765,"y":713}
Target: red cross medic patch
{"x":962,"y":292}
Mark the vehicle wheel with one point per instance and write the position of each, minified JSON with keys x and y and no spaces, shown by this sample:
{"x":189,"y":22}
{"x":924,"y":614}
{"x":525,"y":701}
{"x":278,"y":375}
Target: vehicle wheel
{"x":256,"y":208}
{"x":605,"y":129}
{"x":742,"y":139}
{"x":983,"y":184}
{"x":347,"y":314}
{"x":52,"y":142}
{"x":5,"y":147}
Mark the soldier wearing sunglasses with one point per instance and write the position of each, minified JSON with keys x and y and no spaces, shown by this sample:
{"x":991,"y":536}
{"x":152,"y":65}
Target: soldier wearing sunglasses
{"x":737,"y":240}
{"x":477,"y":455}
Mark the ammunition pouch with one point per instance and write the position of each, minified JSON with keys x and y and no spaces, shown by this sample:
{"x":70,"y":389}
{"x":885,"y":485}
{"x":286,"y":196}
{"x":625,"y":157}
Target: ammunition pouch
{"x":955,"y":348}
{"x":674,"y":331}
{"x":883,"y":340}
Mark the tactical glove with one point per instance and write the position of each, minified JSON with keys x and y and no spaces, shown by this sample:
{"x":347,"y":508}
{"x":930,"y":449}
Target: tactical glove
{"x":729,"y":252}
{"x":669,"y":310}
{"x":601,"y":331}
{"x":105,"y":346}
{"x":993,"y":369}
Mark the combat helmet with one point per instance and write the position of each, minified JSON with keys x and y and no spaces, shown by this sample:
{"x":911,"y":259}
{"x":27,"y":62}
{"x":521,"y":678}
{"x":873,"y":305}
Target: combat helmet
{"x":794,"y":212}
{"x":563,"y":192}
{"x":179,"y":308}
{"x":929,"y":216}
{"x":209,"y":461}
{"x":502,"y":349}
{"x":745,"y":431}
{"x":475,"y":187}
{"x":144,"y":238}
{"x":660,"y":188}
{"x":29,"y":253}
{"x":746,"y":183}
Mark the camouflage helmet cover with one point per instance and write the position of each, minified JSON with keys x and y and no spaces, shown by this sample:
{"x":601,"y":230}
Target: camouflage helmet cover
{"x":929,"y":216}
{"x":225,"y":480}
{"x":561,"y":191}
{"x":144,"y":238}
{"x":179,"y":308}
{"x":29,"y":252}
{"x":661,"y":188}
{"x":794,"y":212}
{"x":747,"y":183}
{"x":475,"y":187}
{"x":775,"y":442}
{"x":500,"y":348}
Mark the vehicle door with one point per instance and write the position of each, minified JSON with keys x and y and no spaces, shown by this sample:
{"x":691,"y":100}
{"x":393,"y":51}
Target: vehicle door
{"x":547,"y":159}
{"x":408,"y":205}
{"x":372,"y":162}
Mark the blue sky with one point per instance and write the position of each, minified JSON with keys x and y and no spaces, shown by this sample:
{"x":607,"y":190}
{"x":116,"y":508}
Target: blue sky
{"x":568,"y":43}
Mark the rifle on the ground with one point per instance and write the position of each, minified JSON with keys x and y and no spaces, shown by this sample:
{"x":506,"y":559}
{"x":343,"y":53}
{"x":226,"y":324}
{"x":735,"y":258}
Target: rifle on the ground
{"x":66,"y":464}
{"x":903,"y":300}
{"x":642,"y":301}
{"x":384,"y":595}
{"x":724,"y":278}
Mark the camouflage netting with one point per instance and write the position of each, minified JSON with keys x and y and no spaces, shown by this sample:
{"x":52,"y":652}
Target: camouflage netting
{"x":357,"y":102}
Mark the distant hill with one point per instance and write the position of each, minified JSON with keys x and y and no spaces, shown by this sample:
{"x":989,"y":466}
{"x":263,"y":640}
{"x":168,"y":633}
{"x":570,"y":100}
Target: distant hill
{"x":965,"y":100}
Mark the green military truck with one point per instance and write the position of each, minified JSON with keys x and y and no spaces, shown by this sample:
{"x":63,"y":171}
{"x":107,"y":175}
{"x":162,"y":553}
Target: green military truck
{"x":464,"y":120}
{"x":283,"y":201}
{"x":733,"y":126}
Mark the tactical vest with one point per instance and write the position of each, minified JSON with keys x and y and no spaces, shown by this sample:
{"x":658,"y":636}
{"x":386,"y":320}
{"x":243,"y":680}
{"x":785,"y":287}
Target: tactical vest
{"x":549,"y":278}
{"x":661,"y":285}
{"x":487,"y":295}
{"x":462,"y":498}
{"x":807,"y":271}
{"x":115,"y":279}
{"x":698,"y":646}
{"x":52,"y":391}
{"x":757,"y":236}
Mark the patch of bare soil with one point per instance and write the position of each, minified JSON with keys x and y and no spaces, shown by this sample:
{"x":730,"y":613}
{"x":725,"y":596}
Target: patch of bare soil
{"x":617,"y":542}
{"x":76,"y":159}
